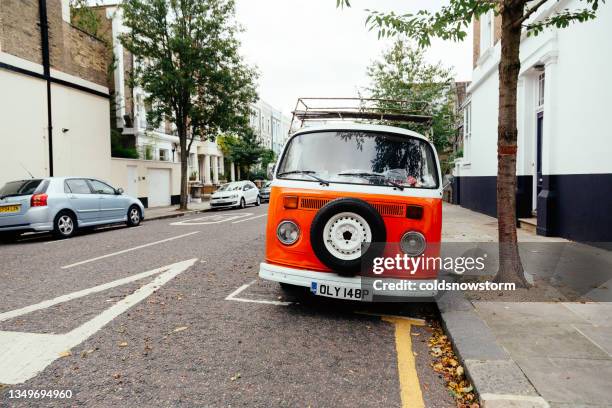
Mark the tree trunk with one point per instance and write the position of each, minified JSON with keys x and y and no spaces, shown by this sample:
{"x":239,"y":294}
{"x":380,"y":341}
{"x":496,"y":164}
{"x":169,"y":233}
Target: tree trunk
{"x":184,"y":169}
{"x":510,"y":267}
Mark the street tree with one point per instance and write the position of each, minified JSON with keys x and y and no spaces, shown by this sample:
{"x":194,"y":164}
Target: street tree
{"x":188,"y":64}
{"x":404,"y":74}
{"x":451,"y":22}
{"x":244,"y":149}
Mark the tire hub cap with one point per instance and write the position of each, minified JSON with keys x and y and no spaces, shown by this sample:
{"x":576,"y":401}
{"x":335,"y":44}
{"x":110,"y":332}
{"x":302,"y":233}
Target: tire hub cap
{"x":65,"y":225}
{"x":134,"y":216}
{"x":344,"y":235}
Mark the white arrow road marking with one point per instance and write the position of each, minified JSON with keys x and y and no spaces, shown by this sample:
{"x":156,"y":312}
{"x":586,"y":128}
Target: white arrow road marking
{"x":128,"y":250}
{"x":234,"y":294}
{"x":211,"y":219}
{"x":249,"y":219}
{"x":23,"y":355}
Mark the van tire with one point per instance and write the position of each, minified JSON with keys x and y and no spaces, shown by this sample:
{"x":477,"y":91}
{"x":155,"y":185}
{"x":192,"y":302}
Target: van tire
{"x":359,"y":207}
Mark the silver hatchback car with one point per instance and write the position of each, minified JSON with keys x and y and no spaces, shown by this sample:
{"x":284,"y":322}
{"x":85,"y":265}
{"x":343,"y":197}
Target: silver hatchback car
{"x":64,"y":204}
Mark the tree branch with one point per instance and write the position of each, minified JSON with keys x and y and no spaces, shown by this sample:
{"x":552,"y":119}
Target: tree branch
{"x":528,"y":13}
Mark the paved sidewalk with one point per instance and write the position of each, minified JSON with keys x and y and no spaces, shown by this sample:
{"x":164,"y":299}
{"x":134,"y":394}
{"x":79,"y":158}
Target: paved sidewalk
{"x":529,"y":354}
{"x":172,"y":211}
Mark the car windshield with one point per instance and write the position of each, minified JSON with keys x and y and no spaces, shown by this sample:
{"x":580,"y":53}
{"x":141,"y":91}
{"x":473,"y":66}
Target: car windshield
{"x":360,"y":158}
{"x":21,"y":187}
{"x":230,"y":187}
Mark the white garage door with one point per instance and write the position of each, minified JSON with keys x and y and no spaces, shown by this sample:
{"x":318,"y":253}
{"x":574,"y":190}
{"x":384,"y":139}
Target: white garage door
{"x":159,"y":187}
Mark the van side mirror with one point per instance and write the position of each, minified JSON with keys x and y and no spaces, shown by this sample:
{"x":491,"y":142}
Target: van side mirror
{"x":271,"y":169}
{"x":448,"y":180}
{"x":119,"y":191}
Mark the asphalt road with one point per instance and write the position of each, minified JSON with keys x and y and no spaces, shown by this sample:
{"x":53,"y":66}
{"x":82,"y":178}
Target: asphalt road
{"x":182,"y":342}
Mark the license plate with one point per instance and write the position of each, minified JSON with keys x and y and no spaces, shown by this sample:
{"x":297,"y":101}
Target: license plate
{"x":10,"y":208}
{"x":339,"y":292}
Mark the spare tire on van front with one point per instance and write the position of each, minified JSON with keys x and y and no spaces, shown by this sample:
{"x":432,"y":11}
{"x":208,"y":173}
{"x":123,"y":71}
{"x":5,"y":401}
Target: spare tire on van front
{"x":340,"y":228}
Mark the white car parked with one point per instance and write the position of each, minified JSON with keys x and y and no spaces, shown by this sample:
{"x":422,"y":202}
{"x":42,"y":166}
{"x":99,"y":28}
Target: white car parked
{"x":235,"y":194}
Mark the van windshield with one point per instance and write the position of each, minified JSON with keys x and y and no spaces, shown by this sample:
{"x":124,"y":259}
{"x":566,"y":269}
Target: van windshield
{"x":360,"y":158}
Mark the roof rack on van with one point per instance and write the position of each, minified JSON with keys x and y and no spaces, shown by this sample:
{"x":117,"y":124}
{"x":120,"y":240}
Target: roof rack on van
{"x":366,"y":109}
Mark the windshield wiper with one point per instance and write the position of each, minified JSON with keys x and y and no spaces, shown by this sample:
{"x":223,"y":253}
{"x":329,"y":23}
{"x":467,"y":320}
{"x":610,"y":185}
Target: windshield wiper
{"x":309,"y":173}
{"x":372,"y":175}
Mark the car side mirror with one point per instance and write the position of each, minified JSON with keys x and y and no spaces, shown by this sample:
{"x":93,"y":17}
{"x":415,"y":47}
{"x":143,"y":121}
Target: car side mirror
{"x":119,"y":191}
{"x":448,"y":180}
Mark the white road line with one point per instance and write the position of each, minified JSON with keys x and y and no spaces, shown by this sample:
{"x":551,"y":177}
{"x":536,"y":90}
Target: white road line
{"x":128,"y":250}
{"x":233,"y":296}
{"x":249,"y":219}
{"x":211,"y":219}
{"x":79,"y":294}
{"x":23,"y":355}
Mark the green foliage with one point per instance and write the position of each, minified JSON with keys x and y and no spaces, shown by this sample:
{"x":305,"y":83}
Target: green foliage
{"x":268,"y":156}
{"x":404,"y":74}
{"x":244,"y":150}
{"x":189,"y":64}
{"x":118,"y":149}
{"x":84,"y":18}
{"x":452,"y":21}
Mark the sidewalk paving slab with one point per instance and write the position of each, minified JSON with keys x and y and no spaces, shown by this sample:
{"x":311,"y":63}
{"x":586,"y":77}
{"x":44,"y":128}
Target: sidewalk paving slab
{"x":527,"y":354}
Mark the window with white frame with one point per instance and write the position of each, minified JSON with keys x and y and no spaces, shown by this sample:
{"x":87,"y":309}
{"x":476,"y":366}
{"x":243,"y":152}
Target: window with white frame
{"x":487,"y":37}
{"x":164,"y":155}
{"x":541,"y":84}
{"x":467,"y":132}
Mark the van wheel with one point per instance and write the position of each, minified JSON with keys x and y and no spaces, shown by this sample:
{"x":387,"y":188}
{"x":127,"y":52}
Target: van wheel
{"x":134,"y":217}
{"x":64,"y":225}
{"x":242,"y":203}
{"x":258,"y":201}
{"x":341,"y":229}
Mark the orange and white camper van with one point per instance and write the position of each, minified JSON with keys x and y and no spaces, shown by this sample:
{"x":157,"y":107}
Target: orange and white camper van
{"x":343,"y":189}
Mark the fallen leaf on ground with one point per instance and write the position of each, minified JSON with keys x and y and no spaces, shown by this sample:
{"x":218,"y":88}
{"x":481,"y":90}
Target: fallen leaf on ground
{"x":234,"y":378}
{"x":447,"y":365}
{"x":65,"y":353}
{"x":180,"y":329}
{"x":123,"y":344}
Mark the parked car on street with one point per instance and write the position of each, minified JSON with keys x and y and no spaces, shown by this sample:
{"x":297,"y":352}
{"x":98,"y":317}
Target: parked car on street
{"x":63,"y":205}
{"x":264,"y":191}
{"x":235,"y":194}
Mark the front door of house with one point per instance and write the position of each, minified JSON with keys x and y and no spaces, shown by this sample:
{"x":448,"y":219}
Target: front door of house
{"x":538,"y":164}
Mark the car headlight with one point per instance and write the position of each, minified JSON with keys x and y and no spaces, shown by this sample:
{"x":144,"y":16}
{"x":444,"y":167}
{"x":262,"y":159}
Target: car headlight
{"x":413,"y":243}
{"x":287,"y":232}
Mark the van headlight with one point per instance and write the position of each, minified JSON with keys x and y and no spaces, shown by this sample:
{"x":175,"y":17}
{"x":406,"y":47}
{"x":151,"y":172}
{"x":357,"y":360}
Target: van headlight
{"x":287,"y":232}
{"x":413,"y":243}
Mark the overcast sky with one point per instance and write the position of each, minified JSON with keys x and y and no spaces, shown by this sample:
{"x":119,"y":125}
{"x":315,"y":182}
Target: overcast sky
{"x":310,"y":48}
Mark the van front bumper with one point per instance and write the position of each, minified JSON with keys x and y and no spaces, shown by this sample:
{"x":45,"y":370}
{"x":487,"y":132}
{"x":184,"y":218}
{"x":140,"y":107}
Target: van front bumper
{"x":306,"y":278}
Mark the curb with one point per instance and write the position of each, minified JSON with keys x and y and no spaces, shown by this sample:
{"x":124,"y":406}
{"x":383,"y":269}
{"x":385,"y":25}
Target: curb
{"x":176,"y":215}
{"x":497,"y":379}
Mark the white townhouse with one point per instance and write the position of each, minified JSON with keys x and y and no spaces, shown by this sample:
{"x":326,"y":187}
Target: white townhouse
{"x":270,"y":125}
{"x":155,"y":177}
{"x":564,"y":162}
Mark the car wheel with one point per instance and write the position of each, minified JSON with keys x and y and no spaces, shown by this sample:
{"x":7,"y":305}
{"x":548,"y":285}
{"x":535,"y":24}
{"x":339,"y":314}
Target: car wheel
{"x":64,"y":225}
{"x":242,"y":203}
{"x":134,"y":217}
{"x":340,"y":230}
{"x":258,"y":201}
